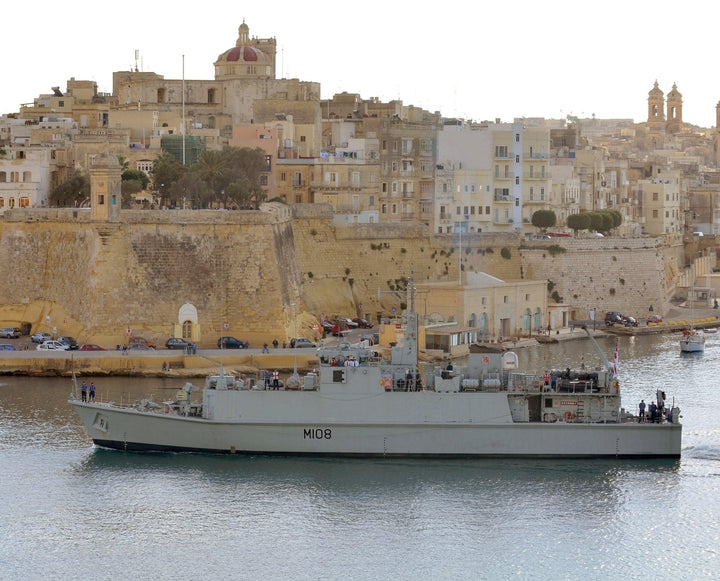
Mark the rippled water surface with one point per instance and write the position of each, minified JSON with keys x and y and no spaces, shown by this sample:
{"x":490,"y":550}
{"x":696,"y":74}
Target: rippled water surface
{"x":70,"y":511}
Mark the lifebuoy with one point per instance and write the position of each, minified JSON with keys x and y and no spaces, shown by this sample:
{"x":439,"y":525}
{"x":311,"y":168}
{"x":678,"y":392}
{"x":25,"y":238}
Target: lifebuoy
{"x":387,"y":383}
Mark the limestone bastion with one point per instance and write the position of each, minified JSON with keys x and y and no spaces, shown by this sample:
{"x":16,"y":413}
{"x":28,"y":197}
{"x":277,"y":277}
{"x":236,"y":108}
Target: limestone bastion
{"x":270,"y":273}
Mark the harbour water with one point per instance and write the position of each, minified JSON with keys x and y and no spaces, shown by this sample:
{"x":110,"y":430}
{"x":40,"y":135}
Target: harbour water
{"x":71,"y":511}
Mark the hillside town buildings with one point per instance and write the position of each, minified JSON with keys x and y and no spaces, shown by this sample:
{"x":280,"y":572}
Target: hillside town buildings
{"x":375,"y":162}
{"x":370,"y":161}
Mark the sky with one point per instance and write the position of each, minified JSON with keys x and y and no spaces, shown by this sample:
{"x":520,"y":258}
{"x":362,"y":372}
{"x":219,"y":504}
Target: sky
{"x":474,"y":60}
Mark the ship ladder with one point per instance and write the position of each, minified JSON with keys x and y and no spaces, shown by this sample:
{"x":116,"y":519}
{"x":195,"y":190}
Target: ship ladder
{"x":580,"y":411}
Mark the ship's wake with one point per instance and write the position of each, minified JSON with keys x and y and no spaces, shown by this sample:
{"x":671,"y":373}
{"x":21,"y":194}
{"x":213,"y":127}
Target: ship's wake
{"x":702,"y":452}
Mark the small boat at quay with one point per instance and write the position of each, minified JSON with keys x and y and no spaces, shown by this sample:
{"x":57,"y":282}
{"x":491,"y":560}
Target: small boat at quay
{"x":358,"y":403}
{"x":692,"y":340}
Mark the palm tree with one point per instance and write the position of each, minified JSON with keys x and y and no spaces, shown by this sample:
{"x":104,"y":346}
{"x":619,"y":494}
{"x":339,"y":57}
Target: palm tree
{"x":211,"y":169}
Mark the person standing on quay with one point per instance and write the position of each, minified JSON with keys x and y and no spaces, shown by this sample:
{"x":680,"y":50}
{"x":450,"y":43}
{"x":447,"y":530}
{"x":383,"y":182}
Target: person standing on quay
{"x":641,"y":417}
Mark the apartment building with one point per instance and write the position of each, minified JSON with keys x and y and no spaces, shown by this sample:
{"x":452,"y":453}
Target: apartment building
{"x":25,"y":175}
{"x":498,"y":172}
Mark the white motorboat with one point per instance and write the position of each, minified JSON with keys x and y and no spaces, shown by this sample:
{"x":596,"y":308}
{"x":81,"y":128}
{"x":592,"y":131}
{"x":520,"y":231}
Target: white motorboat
{"x":358,"y":404}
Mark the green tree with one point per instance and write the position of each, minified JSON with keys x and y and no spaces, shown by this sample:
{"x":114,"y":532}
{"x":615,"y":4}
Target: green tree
{"x":244,"y":170}
{"x":133,"y":182}
{"x":124,"y":163}
{"x":544,"y":219}
{"x":596,"y":221}
{"x":166,"y":171}
{"x":73,"y":192}
{"x":616,"y":217}
{"x":607,"y":221}
{"x":190,"y":191}
{"x":211,"y":169}
{"x":578,"y":222}
{"x":137,"y":175}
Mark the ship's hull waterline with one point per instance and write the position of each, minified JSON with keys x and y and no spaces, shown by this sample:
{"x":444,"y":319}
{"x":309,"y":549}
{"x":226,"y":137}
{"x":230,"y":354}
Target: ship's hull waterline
{"x":127,"y":429}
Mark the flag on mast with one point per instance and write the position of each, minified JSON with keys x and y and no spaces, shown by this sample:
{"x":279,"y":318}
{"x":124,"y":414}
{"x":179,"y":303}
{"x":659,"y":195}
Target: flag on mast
{"x":615,"y":361}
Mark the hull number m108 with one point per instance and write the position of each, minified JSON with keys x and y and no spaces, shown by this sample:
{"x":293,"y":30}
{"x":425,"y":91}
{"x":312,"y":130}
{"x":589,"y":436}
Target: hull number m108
{"x":317,"y":433}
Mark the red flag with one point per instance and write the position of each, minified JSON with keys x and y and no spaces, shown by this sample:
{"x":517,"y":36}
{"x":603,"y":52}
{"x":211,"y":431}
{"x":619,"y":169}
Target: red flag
{"x":615,"y":361}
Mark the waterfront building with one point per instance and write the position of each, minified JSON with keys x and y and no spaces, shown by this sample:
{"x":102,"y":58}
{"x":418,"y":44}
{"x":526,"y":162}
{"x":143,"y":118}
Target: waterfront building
{"x":492,"y":307}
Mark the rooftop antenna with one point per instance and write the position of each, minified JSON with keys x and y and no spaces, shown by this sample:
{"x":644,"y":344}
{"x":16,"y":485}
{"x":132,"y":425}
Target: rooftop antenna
{"x":137,"y":56}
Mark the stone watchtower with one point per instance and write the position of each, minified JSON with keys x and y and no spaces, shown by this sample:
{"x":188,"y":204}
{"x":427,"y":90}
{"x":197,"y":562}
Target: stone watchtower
{"x":105,"y":193}
{"x":656,"y":108}
{"x":674,"y":111}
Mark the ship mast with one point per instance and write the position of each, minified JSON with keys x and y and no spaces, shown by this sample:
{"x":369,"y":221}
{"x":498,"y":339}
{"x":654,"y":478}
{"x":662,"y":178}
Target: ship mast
{"x":407,"y":352}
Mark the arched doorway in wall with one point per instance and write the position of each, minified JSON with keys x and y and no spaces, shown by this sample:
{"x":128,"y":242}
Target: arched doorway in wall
{"x":187,"y":324}
{"x":472,"y":322}
{"x":483,"y":324}
{"x":187,"y":329}
{"x":537,"y":323}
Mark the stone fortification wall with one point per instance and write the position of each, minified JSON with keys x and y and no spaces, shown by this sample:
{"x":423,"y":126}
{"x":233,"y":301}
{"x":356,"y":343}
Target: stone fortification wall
{"x":269,"y":273}
{"x":98,"y":279}
{"x":343,"y":267}
{"x":611,"y":274}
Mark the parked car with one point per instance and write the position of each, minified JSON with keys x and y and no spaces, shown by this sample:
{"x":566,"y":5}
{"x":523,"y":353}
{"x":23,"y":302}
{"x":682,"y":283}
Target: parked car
{"x":630,"y":321}
{"x":52,"y":346}
{"x":654,"y":320}
{"x":41,"y":337}
{"x":613,"y":317}
{"x":141,"y":341}
{"x":232,"y":343}
{"x":350,"y":323}
{"x":70,"y":342}
{"x":91,"y":347}
{"x":7,"y":347}
{"x":177,"y":343}
{"x":340,"y":328}
{"x":363,"y":323}
{"x":302,"y":342}
{"x":140,"y":347}
{"x":9,"y":333}
{"x":328,"y":326}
